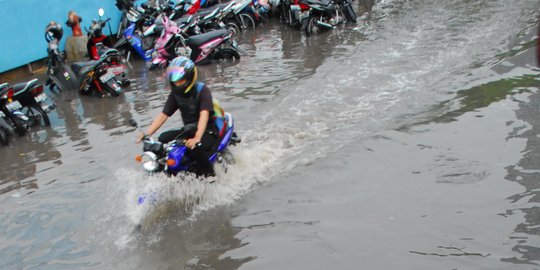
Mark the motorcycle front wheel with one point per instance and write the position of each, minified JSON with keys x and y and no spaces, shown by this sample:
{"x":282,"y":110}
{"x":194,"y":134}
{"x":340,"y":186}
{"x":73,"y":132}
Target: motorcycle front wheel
{"x":349,"y":13}
{"x":246,"y":21}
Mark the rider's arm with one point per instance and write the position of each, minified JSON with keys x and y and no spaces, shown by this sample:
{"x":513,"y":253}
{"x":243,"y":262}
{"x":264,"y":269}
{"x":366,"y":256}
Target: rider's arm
{"x":157,"y":123}
{"x":168,"y":110}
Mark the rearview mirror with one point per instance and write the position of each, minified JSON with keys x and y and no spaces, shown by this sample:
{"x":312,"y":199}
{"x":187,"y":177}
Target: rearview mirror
{"x":133,"y":123}
{"x":101,"y":12}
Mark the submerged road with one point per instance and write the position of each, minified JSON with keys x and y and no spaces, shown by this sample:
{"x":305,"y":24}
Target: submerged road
{"x":407,"y":141}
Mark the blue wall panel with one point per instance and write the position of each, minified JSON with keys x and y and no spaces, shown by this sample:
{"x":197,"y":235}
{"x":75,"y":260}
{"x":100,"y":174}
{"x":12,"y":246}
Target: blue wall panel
{"x":23,"y":23}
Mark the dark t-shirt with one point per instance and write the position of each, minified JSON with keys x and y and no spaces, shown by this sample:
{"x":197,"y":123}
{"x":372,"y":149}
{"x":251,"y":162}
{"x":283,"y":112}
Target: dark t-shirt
{"x":205,"y":97}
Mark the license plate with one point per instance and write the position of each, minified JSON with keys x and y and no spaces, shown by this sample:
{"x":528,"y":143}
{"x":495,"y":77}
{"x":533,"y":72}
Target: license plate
{"x":15,"y":105}
{"x":116,"y":70}
{"x":304,"y":15}
{"x":106,"y":77}
{"x":41,"y":98}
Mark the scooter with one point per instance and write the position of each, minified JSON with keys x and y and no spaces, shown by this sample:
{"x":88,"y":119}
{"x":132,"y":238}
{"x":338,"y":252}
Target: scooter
{"x":60,"y":76}
{"x":140,"y":33}
{"x":217,"y":45}
{"x":165,"y":48}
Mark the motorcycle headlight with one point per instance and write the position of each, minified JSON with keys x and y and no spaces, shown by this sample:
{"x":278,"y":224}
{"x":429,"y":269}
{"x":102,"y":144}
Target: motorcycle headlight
{"x":149,"y":162}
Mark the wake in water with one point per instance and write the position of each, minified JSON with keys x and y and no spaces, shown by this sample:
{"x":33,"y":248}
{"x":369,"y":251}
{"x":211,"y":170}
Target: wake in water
{"x":413,"y":47}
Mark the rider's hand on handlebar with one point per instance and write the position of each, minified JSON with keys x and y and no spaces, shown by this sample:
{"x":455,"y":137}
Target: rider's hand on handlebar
{"x":191,"y":143}
{"x":140,"y":137}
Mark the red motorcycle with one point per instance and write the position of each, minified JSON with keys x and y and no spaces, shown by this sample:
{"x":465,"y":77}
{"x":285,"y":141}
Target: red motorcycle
{"x":95,"y":37}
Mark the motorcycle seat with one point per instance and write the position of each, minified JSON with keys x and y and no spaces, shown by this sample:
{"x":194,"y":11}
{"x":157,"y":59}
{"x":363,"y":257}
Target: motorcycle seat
{"x":24,"y":86}
{"x":181,"y":21}
{"x":78,"y":66}
{"x":18,"y":88}
{"x":4,"y":88}
{"x":201,"y":13}
{"x":198,"y":40}
{"x":317,"y":2}
{"x":211,"y":8}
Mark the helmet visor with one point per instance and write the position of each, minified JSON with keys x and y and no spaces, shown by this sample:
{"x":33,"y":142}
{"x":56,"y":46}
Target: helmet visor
{"x":175,"y":73}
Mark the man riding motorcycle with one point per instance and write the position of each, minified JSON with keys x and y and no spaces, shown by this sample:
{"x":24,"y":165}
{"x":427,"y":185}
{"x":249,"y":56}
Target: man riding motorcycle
{"x":194,"y":100}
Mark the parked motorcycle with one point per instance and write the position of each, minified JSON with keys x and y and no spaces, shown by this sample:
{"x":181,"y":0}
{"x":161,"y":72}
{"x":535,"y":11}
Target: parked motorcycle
{"x":95,"y":37}
{"x":102,"y":76}
{"x":60,"y":76}
{"x":244,"y":15}
{"x":217,"y":45}
{"x":231,"y":16}
{"x":166,"y":44}
{"x":182,"y":7}
{"x":24,"y":105}
{"x":140,"y":33}
{"x":124,"y":6}
{"x":97,"y":77}
{"x":327,"y":14}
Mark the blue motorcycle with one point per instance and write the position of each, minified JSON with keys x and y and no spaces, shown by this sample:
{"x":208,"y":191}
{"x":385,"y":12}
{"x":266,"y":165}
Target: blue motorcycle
{"x":171,"y":157}
{"x":140,"y":33}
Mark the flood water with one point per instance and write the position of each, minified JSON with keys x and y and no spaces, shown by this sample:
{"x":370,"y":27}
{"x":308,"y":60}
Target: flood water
{"x":407,"y":141}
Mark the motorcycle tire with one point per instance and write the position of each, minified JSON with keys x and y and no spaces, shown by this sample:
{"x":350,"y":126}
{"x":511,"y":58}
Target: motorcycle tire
{"x":110,"y":87}
{"x":226,"y":54}
{"x":311,"y":26}
{"x":234,"y":27}
{"x":39,"y":115}
{"x":20,"y":127}
{"x":125,"y":82}
{"x":4,"y":139}
{"x":349,"y":13}
{"x":246,"y":21}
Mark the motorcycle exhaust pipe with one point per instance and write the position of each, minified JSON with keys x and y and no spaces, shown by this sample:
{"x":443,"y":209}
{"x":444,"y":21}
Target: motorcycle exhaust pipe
{"x":324,"y":25}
